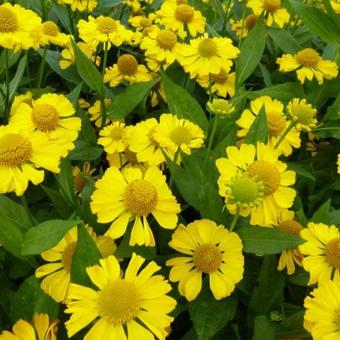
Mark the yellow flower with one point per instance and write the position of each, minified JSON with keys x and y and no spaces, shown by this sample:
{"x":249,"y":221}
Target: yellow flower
{"x":209,"y":249}
{"x":160,"y":48}
{"x":308,"y":64}
{"x":175,"y":134}
{"x":207,"y":55}
{"x":132,"y":194}
{"x":95,"y":112}
{"x":22,"y":155}
{"x":80,"y":5}
{"x":253,"y":181}
{"x":178,"y":17}
{"x":277,"y":124}
{"x":80,"y":175}
{"x":272,"y":8}
{"x":40,"y":329}
{"x":134,"y":302}
{"x":222,"y":84}
{"x":322,"y":311}
{"x":51,"y":114}
{"x":302,"y":113}
{"x":142,"y":142}
{"x":57,"y":273}
{"x":23,"y":98}
{"x":126,"y":69}
{"x":143,"y":23}
{"x":114,"y":137}
{"x":124,"y":159}
{"x":242,"y":28}
{"x":321,"y":250}
{"x":336,"y":6}
{"x":16,"y":24}
{"x":220,"y":107}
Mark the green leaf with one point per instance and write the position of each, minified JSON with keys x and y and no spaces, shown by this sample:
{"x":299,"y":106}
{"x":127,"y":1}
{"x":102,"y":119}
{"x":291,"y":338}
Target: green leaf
{"x":210,"y":316}
{"x":266,"y":241}
{"x":65,"y":180}
{"x":85,"y":151}
{"x":300,"y":170}
{"x":258,"y":132}
{"x":124,"y":103}
{"x":263,"y":329}
{"x":284,"y":40}
{"x":46,"y":235}
{"x":85,"y":255}
{"x":330,"y":129}
{"x":292,"y":327}
{"x":61,"y":13}
{"x":183,"y":104}
{"x":15,"y":82}
{"x":322,"y":214}
{"x":88,"y":71}
{"x":251,"y":52}
{"x":73,"y":96}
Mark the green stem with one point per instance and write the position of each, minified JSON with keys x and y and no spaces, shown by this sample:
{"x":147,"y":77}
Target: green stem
{"x":27,"y":209}
{"x":42,"y":68}
{"x":28,"y":71}
{"x":102,"y":100}
{"x":242,"y":23}
{"x":43,"y":9}
{"x":210,"y":85}
{"x":283,"y":136}
{"x":175,"y":162}
{"x":6,"y":113}
{"x":235,"y":219}
{"x":211,"y":138}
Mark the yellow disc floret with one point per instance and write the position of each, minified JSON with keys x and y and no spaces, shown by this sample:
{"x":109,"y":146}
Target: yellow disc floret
{"x":166,"y":39}
{"x":276,"y":123}
{"x":184,"y":13}
{"x":207,"y":48}
{"x":272,"y":5}
{"x":332,"y":252}
{"x":50,"y":28}
{"x":106,"y":25}
{"x":127,"y":64}
{"x":66,"y":258}
{"x":308,"y":57}
{"x":181,"y":135}
{"x":207,"y":258}
{"x":45,"y":117}
{"x":8,"y":20}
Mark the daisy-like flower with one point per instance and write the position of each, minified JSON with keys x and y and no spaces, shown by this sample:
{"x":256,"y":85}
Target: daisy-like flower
{"x":273,"y":10}
{"x":220,"y":107}
{"x":160,"y":48}
{"x":126,"y":69}
{"x":322,"y":311}
{"x":178,"y":17}
{"x":80,"y":5}
{"x":209,"y":249}
{"x":321,"y":250}
{"x":114,"y":137}
{"x":206,"y":55}
{"x":144,"y":24}
{"x":41,"y":328}
{"x":277,"y":124}
{"x":95,"y":112}
{"x":16,"y":25}
{"x":142,"y":142}
{"x":128,"y":306}
{"x":51,"y":114}
{"x":242,"y":28}
{"x":23,"y":156}
{"x":308,"y":64}
{"x":134,"y":195}
{"x":80,"y":175}
{"x":57,"y":273}
{"x":223,"y":83}
{"x":22,"y":98}
{"x":256,"y":177}
{"x":302,"y":113}
{"x":175,"y":134}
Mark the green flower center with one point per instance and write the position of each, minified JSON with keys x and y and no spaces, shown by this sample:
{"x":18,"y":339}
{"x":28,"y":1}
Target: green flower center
{"x":106,"y":25}
{"x":181,"y":135}
{"x":245,"y":190}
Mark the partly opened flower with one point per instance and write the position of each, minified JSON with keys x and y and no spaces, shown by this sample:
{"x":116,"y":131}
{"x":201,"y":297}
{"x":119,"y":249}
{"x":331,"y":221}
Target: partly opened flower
{"x":114,"y":137}
{"x":302,"y":113}
{"x":133,"y":195}
{"x":222,"y":84}
{"x":128,"y":306}
{"x":209,"y":249}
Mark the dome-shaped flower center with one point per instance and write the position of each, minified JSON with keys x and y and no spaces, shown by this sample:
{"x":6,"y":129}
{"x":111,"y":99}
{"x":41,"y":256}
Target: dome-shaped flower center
{"x":50,"y":28}
{"x":117,"y":133}
{"x":308,"y":57}
{"x":250,"y":21}
{"x":220,"y":78}
{"x":79,"y":182}
{"x":179,"y":2}
{"x":8,"y":20}
{"x":207,"y":47}
{"x":119,"y":302}
{"x":140,"y":197}
{"x":166,"y":39}
{"x":207,"y":258}
{"x":66,"y":259}
{"x":276,"y":122}
{"x":290,"y":226}
{"x":184,"y":13}
{"x":131,"y":156}
{"x":106,"y":25}
{"x":45,"y":117}
{"x":272,"y":5}
{"x":15,"y":150}
{"x":303,"y":114}
{"x":145,"y":22}
{"x":332,"y":252}
{"x":245,"y":190}
{"x":180,"y":135}
{"x":267,"y":173}
{"x":127,"y":64}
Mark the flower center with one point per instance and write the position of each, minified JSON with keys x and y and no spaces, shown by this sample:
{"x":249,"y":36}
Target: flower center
{"x":140,"y":197}
{"x":127,"y":64}
{"x":276,"y":122}
{"x":131,"y":156}
{"x":207,"y":48}
{"x":267,"y":173}
{"x":332,"y":252}
{"x":166,"y":39}
{"x":50,"y":28}
{"x":119,"y":302}
{"x":145,"y":22}
{"x":220,"y":78}
{"x":207,"y":258}
{"x":245,"y":190}
{"x":251,"y":21}
{"x":15,"y":150}
{"x":45,"y":117}
{"x":8,"y":20}
{"x":336,"y":320}
{"x":303,"y":114}
{"x":180,"y":135}
{"x":106,"y":25}
{"x":79,"y":182}
{"x":184,"y":13}
{"x":308,"y":57}
{"x":66,"y":258}
{"x":117,"y":133}
{"x":291,"y":227}
{"x":272,"y":5}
